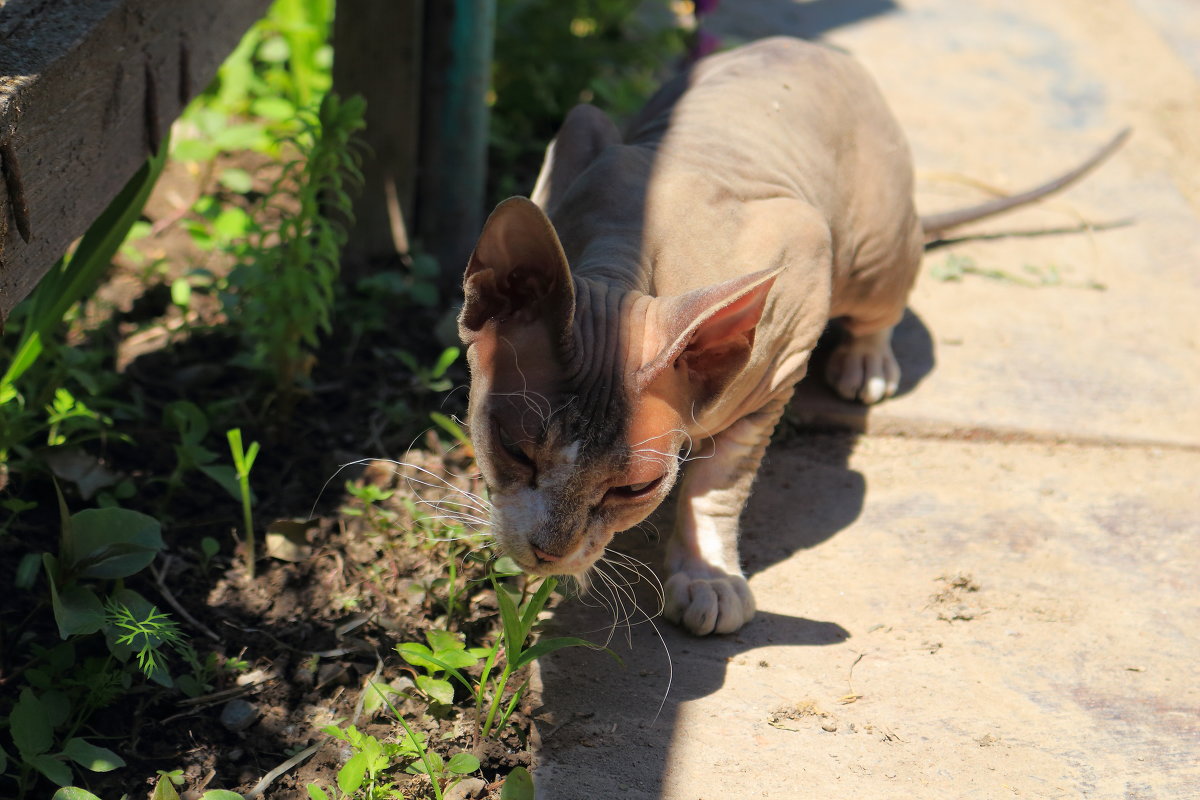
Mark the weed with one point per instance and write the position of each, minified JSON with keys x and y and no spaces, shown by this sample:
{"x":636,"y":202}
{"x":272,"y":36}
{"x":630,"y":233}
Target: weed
{"x":243,"y":461}
{"x":62,"y":690}
{"x":372,"y":758}
{"x":209,"y":547}
{"x":370,"y":499}
{"x":431,"y":379}
{"x":144,"y":634}
{"x":514,"y":641}
{"x":445,"y":652}
{"x":956,"y":266}
{"x":192,"y":425}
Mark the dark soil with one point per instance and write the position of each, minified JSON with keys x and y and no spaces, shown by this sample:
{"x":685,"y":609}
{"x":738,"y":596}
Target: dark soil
{"x":298,"y":641}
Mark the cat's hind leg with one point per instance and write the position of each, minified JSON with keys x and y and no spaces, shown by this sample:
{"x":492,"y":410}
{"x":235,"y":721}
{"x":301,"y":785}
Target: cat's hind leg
{"x":864,"y":368}
{"x":869,"y":302}
{"x":706,"y":591}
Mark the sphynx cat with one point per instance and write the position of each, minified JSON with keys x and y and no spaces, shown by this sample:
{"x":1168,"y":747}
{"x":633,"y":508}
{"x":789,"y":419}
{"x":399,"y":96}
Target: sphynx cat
{"x":659,"y":297}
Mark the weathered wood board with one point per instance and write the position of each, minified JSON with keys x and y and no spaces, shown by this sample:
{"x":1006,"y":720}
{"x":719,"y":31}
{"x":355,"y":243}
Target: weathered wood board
{"x":87,"y":89}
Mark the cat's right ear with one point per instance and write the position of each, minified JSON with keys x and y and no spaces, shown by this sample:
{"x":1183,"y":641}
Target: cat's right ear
{"x":518,"y":275}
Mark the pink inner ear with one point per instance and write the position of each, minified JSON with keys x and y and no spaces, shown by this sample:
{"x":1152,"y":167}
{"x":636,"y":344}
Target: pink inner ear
{"x":712,"y":327}
{"x":738,"y":319}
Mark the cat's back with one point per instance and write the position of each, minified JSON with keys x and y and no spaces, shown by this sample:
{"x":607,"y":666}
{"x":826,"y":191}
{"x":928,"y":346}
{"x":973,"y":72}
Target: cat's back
{"x":779,"y":118}
{"x":781,"y":112}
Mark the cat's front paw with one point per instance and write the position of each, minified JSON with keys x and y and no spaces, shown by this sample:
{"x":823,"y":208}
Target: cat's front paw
{"x":709,"y":604}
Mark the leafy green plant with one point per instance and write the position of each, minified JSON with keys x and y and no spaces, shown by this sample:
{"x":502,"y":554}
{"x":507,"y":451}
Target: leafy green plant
{"x":490,"y":690}
{"x":209,"y":547}
{"x":192,"y":425}
{"x":32,"y":723}
{"x":602,"y":51}
{"x":282,"y":288}
{"x":243,"y":462}
{"x":433,"y":378}
{"x":516,"y":627}
{"x":281,"y":65}
{"x":98,"y":543}
{"x":363,"y":775}
{"x":62,"y":691}
{"x":445,"y":651}
{"x":144,"y":634}
{"x":370,"y":499}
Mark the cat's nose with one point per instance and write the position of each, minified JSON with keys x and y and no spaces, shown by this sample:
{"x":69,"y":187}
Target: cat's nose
{"x":542,"y":555}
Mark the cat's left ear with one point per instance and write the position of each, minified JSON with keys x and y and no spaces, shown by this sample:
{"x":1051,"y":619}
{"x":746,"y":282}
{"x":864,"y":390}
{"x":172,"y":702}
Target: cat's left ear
{"x":517,"y":275}
{"x":709,"y":333}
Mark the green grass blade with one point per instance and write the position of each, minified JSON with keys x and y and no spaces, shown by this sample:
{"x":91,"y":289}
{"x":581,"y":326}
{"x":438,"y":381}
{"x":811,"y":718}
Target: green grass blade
{"x":536,"y":604}
{"x":547,"y":646}
{"x":514,"y":630}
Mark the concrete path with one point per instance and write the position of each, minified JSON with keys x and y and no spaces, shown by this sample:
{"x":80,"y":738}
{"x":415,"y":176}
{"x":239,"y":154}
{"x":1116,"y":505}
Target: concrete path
{"x":994,"y":591}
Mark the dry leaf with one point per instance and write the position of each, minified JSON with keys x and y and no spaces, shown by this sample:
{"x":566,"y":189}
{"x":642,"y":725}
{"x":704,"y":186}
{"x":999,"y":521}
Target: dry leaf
{"x":287,"y":540}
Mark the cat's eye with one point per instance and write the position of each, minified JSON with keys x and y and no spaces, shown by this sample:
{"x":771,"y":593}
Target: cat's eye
{"x":510,"y":446}
{"x":635,"y":491}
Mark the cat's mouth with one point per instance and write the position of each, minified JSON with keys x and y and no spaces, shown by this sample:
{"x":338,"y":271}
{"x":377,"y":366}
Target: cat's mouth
{"x":536,"y":561}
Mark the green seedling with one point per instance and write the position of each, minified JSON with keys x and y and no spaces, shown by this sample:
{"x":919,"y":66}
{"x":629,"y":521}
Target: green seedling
{"x":362,"y":776}
{"x":431,"y":379}
{"x":143,"y":634}
{"x":514,"y":642}
{"x":369,"y":497}
{"x":442,"y":773}
{"x":191,"y":423}
{"x":209,"y":547}
{"x":243,"y":462}
{"x":516,"y":628}
{"x":446,"y":652}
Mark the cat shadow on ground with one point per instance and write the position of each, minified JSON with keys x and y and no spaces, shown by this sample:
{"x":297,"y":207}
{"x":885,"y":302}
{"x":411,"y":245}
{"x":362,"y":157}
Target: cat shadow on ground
{"x":592,"y":705}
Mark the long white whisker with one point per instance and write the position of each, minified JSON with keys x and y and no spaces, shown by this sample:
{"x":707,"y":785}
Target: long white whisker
{"x":640,"y":571}
{"x":618,"y":598}
{"x":658,"y":633}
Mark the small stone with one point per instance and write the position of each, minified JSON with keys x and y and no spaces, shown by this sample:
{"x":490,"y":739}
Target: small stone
{"x":237,"y":715}
{"x":465,"y":789}
{"x":829,"y":726}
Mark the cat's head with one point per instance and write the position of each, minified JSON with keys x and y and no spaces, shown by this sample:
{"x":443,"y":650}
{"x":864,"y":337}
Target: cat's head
{"x":585,"y":397}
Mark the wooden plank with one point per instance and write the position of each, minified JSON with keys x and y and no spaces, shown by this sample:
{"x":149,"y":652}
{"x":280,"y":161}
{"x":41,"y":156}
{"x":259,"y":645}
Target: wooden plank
{"x":87,"y":89}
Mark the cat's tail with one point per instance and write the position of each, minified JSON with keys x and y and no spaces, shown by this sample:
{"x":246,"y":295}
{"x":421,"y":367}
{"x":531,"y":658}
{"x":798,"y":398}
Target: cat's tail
{"x":935,"y":224}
